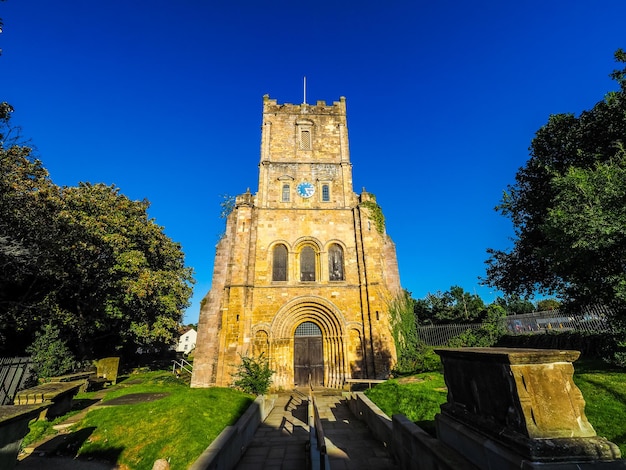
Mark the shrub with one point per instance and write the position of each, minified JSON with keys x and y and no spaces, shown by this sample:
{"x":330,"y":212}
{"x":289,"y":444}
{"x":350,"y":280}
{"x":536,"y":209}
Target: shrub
{"x":490,"y":331}
{"x":50,"y":354}
{"x":421,"y":359}
{"x":404,"y":331}
{"x":253,"y":375}
{"x":610,"y":347}
{"x":616,"y":350}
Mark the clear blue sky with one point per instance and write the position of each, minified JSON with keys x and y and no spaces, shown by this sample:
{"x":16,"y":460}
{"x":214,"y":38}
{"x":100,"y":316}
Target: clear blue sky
{"x":164,"y":100}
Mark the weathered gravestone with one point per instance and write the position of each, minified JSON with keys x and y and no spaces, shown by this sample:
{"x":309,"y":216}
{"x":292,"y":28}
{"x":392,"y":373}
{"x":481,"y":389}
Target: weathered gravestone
{"x":14,"y":421}
{"x":519,"y":408}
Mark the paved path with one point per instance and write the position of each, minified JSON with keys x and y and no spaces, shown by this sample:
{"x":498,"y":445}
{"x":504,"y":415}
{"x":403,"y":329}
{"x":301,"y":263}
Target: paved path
{"x":281,"y":441}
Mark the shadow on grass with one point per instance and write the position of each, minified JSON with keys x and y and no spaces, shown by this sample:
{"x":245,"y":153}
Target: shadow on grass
{"x":595,"y":366}
{"x":241,"y":410}
{"x":73,"y":442}
{"x":67,"y":445}
{"x":79,"y":404}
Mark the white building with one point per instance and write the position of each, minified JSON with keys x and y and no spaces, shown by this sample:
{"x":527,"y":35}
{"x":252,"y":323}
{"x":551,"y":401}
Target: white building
{"x":187,"y":341}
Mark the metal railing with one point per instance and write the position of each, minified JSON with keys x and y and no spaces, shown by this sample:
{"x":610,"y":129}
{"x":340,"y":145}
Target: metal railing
{"x":439,"y":335}
{"x":181,"y":365}
{"x":591,"y":320}
{"x":15,"y":372}
{"x":317,"y":439}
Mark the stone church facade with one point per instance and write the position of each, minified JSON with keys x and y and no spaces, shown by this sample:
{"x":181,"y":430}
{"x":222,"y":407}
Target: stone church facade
{"x":305,"y":270}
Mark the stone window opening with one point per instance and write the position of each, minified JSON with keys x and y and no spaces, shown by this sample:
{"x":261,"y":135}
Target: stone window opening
{"x":286,"y":193}
{"x":279,"y":263}
{"x":325,"y":192}
{"x":308,"y":328}
{"x":305,"y":139}
{"x":307,"y":264}
{"x":335,"y":263}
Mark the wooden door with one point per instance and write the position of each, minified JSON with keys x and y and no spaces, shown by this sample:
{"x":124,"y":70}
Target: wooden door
{"x":308,"y":361}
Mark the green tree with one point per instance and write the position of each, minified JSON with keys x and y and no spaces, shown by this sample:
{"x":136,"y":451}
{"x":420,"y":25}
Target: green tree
{"x":567,"y":225}
{"x":27,"y":224}
{"x":515,"y":305}
{"x":490,"y":331}
{"x":587,"y":220}
{"x":86,"y":259}
{"x":50,"y":353}
{"x":548,"y":304}
{"x":452,"y":306}
{"x":125,"y":280}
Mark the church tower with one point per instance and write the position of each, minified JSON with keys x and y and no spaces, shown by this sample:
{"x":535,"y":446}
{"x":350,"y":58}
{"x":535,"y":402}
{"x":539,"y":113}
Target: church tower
{"x":305,"y":270}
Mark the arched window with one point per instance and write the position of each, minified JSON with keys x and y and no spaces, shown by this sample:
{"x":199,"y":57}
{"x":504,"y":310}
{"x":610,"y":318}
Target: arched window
{"x":335,"y":263}
{"x":286,"y":193}
{"x":325,"y":193}
{"x":307,"y":264}
{"x":308,"y":329}
{"x":279,"y":263}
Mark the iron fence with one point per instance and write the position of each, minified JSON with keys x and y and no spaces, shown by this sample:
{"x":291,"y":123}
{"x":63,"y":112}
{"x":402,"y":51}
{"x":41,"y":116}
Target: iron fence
{"x":591,"y":320}
{"x":14,"y":373}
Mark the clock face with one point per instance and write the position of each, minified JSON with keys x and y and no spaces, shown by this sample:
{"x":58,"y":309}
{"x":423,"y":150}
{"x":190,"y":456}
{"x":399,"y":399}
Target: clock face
{"x":306,"y":189}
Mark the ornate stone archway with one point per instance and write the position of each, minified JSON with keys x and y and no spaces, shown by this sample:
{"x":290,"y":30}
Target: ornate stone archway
{"x":333,"y":327}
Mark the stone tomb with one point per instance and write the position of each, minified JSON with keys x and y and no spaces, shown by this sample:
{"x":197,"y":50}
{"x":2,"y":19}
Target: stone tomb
{"x":14,"y":421}
{"x":519,"y":408}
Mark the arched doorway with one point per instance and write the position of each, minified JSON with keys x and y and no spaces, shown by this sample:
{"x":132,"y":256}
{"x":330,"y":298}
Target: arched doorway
{"x":282,"y":335}
{"x":308,"y":355}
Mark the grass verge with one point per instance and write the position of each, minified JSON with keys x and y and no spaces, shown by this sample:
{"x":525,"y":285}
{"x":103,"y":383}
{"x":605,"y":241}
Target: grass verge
{"x":417,"y":397}
{"x":605,"y":400}
{"x":178,"y":426}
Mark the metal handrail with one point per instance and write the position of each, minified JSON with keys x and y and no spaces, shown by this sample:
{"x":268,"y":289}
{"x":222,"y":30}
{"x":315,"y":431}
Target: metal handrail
{"x":317,"y":437}
{"x":182,"y":365}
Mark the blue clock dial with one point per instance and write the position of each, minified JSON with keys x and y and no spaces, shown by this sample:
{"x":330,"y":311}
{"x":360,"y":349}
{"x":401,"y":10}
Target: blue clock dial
{"x":306,"y":189}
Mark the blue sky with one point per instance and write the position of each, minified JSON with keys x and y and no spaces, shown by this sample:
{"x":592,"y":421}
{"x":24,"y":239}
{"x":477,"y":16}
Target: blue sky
{"x":163,"y":99}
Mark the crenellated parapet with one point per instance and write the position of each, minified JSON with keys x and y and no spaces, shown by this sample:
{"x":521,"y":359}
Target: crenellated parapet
{"x":337,"y":108}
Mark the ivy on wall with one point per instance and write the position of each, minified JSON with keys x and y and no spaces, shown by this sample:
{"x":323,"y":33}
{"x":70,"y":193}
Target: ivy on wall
{"x":375,"y":215}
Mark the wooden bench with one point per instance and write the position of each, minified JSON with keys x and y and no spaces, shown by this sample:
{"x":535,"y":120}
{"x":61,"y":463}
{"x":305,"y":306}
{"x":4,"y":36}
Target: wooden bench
{"x":59,"y":394}
{"x":350,"y":382}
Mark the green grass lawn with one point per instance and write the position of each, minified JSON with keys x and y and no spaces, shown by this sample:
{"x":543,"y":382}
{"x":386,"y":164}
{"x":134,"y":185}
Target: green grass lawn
{"x":604,"y":390}
{"x":177,"y":427}
{"x":602,"y":387}
{"x":418,"y":398}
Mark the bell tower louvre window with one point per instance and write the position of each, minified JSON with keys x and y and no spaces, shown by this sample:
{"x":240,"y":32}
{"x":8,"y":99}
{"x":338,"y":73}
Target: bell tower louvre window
{"x":304,"y":132}
{"x":305,"y":139}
